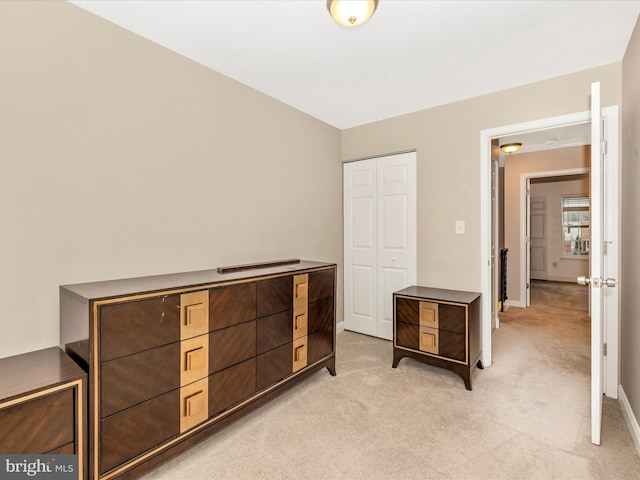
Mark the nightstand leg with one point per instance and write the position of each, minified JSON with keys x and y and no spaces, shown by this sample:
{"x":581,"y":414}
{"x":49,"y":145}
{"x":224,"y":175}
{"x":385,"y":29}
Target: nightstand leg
{"x":397,"y":356}
{"x":332,"y":367}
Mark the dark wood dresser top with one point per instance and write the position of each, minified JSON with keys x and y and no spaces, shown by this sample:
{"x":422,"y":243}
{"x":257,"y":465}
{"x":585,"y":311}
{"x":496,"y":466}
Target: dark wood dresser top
{"x":443,"y":295}
{"x":34,"y":371}
{"x":116,"y":288}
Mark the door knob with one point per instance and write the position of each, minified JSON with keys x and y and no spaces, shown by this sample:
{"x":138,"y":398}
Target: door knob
{"x":597,"y":281}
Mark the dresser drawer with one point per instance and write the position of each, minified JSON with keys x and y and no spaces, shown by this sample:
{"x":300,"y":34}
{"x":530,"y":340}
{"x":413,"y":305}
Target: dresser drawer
{"x":274,"y":365}
{"x":231,"y":386}
{"x":138,"y":429}
{"x":274,"y":330}
{"x":133,"y":326}
{"x":453,"y":345}
{"x":231,"y":346}
{"x":68,"y":449}
{"x":320,"y":345}
{"x":320,"y":285}
{"x":408,"y":335}
{"x":274,"y":295}
{"x":321,"y":315}
{"x":407,"y":310}
{"x":130,"y":380}
{"x":39,"y":425}
{"x":452,"y":318}
{"x":233,"y":305}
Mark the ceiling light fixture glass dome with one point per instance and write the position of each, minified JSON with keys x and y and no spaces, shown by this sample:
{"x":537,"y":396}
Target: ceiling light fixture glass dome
{"x":351,"y":13}
{"x":510,"y":147}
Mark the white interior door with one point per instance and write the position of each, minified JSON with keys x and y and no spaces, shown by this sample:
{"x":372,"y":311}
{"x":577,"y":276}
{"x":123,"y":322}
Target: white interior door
{"x":596,"y":263}
{"x":380,"y":247}
{"x":603,"y":258}
{"x":527,"y":241}
{"x":538,"y":233}
{"x":495,"y":278}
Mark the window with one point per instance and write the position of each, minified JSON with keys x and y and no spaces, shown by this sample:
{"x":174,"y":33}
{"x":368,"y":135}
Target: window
{"x":575,"y":225}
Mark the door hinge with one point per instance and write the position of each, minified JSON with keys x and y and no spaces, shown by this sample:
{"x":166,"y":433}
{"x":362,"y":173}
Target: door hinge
{"x":604,"y":349}
{"x":604,"y":147}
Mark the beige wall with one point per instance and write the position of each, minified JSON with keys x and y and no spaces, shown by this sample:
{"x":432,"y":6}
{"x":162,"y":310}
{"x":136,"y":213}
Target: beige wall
{"x":515,"y":166}
{"x":121,"y":158}
{"x":630,"y":279}
{"x":447,"y":140}
{"x":560,"y":268}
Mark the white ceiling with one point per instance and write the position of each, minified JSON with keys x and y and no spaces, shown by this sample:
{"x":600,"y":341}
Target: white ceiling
{"x":410,"y":56}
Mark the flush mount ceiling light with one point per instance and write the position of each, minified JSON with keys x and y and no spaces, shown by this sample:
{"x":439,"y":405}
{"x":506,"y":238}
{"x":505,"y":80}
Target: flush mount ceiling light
{"x":510,"y":147}
{"x":351,"y":13}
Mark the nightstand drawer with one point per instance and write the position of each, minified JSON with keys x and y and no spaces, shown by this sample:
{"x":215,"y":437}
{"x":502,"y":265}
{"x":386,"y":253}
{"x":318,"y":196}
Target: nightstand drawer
{"x":39,"y":425}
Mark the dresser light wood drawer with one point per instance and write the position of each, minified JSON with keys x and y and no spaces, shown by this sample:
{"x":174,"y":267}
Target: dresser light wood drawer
{"x":300,"y":349}
{"x":194,"y":404}
{"x":194,"y":314}
{"x":194,"y":359}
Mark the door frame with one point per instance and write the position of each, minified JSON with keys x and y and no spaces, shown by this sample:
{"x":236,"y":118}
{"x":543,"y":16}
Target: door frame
{"x":612,"y":302}
{"x":525,"y":272}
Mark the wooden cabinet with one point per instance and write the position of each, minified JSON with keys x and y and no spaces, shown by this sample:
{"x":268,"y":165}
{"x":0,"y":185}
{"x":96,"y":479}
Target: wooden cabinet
{"x":42,"y":405}
{"x":438,"y":327}
{"x":173,"y":358}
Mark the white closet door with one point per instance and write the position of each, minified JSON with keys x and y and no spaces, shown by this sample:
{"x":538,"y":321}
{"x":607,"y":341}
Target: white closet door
{"x":397,"y":262}
{"x":379,"y":239}
{"x":360,"y":246}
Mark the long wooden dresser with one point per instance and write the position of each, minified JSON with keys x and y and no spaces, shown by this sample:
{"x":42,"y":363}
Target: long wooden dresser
{"x":174,"y":358}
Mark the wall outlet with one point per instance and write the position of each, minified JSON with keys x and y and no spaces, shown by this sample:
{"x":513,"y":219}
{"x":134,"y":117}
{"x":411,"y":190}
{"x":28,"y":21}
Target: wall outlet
{"x":459,"y":227}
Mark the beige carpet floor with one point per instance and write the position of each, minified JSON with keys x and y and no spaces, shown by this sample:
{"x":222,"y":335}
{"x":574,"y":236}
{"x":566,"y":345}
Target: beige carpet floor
{"x":526,"y":418}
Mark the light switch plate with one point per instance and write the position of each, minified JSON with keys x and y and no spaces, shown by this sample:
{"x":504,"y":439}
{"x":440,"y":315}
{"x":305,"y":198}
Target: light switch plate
{"x":460,"y":227}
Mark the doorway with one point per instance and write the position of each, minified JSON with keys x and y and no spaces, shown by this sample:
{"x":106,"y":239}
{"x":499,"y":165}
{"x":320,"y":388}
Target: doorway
{"x":611,"y":327}
{"x":549,"y":188}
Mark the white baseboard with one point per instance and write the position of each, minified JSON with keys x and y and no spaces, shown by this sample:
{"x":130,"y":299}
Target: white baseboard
{"x":632,"y":421}
{"x":511,"y":303}
{"x":340,"y":327}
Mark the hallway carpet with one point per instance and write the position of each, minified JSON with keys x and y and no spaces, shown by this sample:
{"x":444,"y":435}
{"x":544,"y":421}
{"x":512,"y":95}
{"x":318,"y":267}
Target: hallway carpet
{"x":528,"y":416}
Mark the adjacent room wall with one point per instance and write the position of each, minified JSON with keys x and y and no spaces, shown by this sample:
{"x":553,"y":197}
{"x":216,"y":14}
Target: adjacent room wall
{"x":121,"y":158}
{"x":515,"y":166}
{"x":560,"y":268}
{"x":630,"y":268}
{"x":447,"y":140}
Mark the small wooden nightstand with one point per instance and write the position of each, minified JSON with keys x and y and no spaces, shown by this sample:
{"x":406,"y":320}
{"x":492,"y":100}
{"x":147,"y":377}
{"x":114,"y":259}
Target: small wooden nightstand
{"x":43,"y":405}
{"x":438,"y":327}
